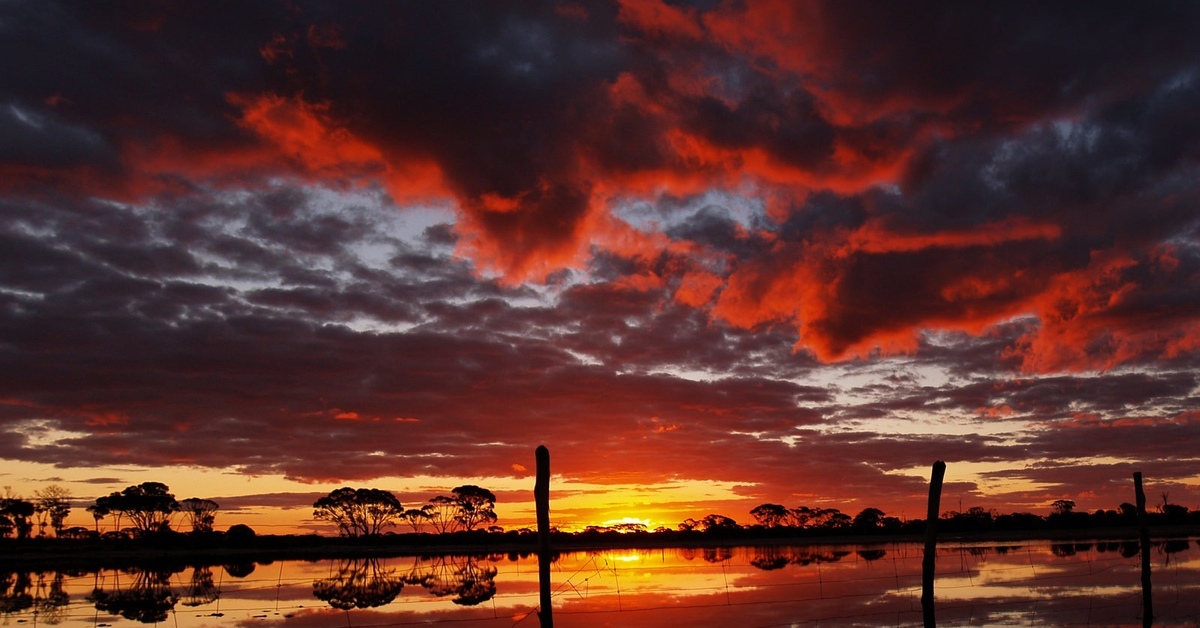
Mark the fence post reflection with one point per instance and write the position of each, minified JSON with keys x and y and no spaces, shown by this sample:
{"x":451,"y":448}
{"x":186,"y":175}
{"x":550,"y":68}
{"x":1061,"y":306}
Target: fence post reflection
{"x":930,"y":558}
{"x":541,"y":498}
{"x":1144,"y":533}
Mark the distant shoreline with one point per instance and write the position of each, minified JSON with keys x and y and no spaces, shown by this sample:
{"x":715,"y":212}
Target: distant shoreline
{"x":69,"y":553}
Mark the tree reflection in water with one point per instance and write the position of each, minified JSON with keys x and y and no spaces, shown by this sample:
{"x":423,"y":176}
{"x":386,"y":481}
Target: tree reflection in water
{"x":363,"y":583}
{"x":51,"y":599}
{"x":48,"y":599}
{"x":14,"y":592}
{"x":478,"y":583}
{"x":1073,"y":583}
{"x":201,"y":590}
{"x":870,"y":555}
{"x":239,"y":570}
{"x":463,"y":577}
{"x":148,"y":600}
{"x":358,"y":583}
{"x":717,"y":554}
{"x":771,"y":557}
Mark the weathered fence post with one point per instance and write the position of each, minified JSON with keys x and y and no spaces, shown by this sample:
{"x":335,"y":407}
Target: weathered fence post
{"x":541,"y":498}
{"x":1144,"y":533}
{"x":930,"y":558}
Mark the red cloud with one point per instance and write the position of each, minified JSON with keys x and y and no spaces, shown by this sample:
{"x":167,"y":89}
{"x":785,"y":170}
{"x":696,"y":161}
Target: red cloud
{"x":304,"y":135}
{"x":660,"y":21}
{"x":773,"y":99}
{"x":872,"y":288}
{"x":697,"y":288}
{"x":1117,"y":309}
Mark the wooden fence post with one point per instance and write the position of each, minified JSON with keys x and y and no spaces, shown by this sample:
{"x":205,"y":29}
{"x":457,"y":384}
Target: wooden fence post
{"x":1144,"y":533}
{"x":930,"y":557}
{"x":541,"y":498}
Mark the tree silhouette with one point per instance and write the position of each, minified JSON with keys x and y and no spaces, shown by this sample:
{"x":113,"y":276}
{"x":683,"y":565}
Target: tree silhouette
{"x":800,"y":516}
{"x":105,"y":506}
{"x":99,"y":511}
{"x":200,"y":513}
{"x":359,"y":512}
{"x":769,"y":515}
{"x":53,"y":503}
{"x":838,"y":520}
{"x":831,"y":518}
{"x":1174,"y":513}
{"x":77,"y":532}
{"x":868,"y":519}
{"x":718,"y":523}
{"x":16,"y":515}
{"x":148,"y":506}
{"x":1062,"y":506}
{"x":416,"y":518}
{"x":443,"y":513}
{"x":240,"y":533}
{"x":476,"y":506}
{"x":618,"y":528}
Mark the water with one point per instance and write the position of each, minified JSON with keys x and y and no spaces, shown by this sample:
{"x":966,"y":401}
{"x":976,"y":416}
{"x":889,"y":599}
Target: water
{"x":1030,"y":584}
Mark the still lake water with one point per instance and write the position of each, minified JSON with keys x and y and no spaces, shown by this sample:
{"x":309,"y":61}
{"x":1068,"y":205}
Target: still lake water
{"x":1027,"y":584}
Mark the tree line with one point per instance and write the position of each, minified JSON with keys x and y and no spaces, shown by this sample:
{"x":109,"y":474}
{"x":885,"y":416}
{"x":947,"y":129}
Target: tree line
{"x":48,"y":509}
{"x":360,"y":512}
{"x":1062,"y":514}
{"x":146,"y":507}
{"x":370,"y":511}
{"x":815,"y":520}
{"x":150,"y":507}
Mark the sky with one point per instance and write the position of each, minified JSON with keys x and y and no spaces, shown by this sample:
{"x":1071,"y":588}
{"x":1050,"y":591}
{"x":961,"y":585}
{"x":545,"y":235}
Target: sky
{"x":712,"y":254}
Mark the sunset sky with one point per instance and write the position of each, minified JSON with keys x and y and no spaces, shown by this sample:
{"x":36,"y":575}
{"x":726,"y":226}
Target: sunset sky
{"x":712,"y":254}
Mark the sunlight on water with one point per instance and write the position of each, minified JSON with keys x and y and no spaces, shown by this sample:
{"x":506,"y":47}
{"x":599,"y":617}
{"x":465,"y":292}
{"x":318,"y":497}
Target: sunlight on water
{"x":1036,"y":583}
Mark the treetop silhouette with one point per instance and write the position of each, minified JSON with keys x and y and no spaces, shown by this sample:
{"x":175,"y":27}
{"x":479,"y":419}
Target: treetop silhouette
{"x":359,"y":512}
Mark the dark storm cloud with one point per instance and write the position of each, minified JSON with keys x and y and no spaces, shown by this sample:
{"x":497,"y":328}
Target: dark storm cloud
{"x":785,"y":125}
{"x":1157,"y":438}
{"x":980,"y":61}
{"x":138,"y":356}
{"x":1079,"y":170}
{"x":40,"y":140}
{"x":1074,"y":143}
{"x":1103,"y":485}
{"x":494,"y":95}
{"x":93,"y":81}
